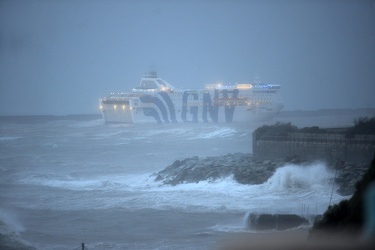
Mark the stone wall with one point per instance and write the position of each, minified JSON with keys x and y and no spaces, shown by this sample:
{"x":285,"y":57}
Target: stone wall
{"x":328,"y":147}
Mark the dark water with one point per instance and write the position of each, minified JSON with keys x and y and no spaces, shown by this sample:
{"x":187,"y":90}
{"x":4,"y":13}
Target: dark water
{"x":75,"y":179}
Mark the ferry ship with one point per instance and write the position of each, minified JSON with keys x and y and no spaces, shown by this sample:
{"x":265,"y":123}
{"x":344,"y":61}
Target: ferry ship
{"x":157,"y":101}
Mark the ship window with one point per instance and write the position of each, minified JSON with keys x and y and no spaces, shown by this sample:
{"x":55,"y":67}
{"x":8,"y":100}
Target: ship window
{"x":162,"y":83}
{"x":147,"y":84}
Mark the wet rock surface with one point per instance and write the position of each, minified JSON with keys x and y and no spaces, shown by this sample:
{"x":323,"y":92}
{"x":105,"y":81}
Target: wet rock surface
{"x":347,"y":176}
{"x":247,"y":170}
{"x":243,"y":167}
{"x":261,"y":222}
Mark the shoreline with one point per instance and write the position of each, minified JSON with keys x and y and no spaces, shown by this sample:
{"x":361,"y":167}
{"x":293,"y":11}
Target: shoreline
{"x":249,"y":171}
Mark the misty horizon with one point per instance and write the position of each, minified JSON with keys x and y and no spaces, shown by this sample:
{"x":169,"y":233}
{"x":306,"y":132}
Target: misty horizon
{"x":59,"y":58}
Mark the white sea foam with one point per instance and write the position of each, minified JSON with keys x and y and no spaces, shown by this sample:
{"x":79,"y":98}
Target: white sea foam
{"x":50,"y":145}
{"x":168,"y":131}
{"x":108,"y":134}
{"x":230,"y":228}
{"x":9,"y":223}
{"x":9,"y":138}
{"x":293,"y":178}
{"x":199,"y":131}
{"x":87,"y":124}
{"x":105,"y":182}
{"x":291,"y":188}
{"x":10,"y":229}
{"x":215,"y":132}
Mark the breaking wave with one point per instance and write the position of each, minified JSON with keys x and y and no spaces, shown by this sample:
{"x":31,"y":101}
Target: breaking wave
{"x":10,"y":230}
{"x":291,"y":188}
{"x":9,"y":138}
{"x":9,"y":223}
{"x":295,"y":177}
{"x":87,"y":124}
{"x":215,"y":132}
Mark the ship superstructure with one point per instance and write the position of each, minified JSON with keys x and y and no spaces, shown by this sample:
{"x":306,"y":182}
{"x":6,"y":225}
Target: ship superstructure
{"x":155,"y":100}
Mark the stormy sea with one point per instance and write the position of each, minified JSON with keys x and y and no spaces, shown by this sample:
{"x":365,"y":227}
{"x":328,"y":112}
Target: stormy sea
{"x":65,"y":180}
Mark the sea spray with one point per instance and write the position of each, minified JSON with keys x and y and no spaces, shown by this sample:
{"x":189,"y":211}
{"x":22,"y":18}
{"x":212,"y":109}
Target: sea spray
{"x":299,"y":187}
{"x":303,"y":190}
{"x":295,"y":177}
{"x":9,"y":222}
{"x":10,"y":229}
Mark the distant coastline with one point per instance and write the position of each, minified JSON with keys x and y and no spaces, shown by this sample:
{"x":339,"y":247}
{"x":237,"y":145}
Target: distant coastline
{"x":283,"y":114}
{"x":328,"y":112}
{"x":43,"y":118}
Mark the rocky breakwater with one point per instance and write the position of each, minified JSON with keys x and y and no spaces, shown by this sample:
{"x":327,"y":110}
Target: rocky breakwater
{"x":242,"y":167}
{"x":247,"y":170}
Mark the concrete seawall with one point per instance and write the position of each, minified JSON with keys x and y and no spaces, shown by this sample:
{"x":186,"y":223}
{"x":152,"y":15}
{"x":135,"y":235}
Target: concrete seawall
{"x":327,"y":147}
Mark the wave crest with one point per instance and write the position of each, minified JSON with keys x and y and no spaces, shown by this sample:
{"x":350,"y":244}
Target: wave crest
{"x":295,"y":177}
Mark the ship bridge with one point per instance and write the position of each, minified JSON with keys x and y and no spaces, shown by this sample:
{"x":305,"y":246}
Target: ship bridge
{"x":150,"y":82}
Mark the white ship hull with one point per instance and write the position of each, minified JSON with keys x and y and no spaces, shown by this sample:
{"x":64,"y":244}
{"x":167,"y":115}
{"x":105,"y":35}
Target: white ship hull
{"x":156,"y":101}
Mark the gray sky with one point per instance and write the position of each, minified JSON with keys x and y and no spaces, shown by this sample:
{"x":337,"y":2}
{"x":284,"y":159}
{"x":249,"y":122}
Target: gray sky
{"x":59,"y":57}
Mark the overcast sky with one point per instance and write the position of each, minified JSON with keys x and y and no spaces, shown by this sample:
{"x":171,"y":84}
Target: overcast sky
{"x":60,"y":57}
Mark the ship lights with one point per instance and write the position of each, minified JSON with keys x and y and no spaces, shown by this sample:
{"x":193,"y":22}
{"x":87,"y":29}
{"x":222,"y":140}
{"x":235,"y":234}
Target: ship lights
{"x":123,"y":107}
{"x":114,"y":107}
{"x":100,"y":107}
{"x":244,"y":86}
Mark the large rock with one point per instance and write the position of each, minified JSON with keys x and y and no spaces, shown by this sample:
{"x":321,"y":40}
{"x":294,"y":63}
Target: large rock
{"x":348,"y":175}
{"x":242,"y":166}
{"x":276,"y":221}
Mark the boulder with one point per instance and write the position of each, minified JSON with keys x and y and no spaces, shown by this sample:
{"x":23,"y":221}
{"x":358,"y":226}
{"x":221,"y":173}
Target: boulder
{"x":262,"y":222}
{"x":240,"y":166}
